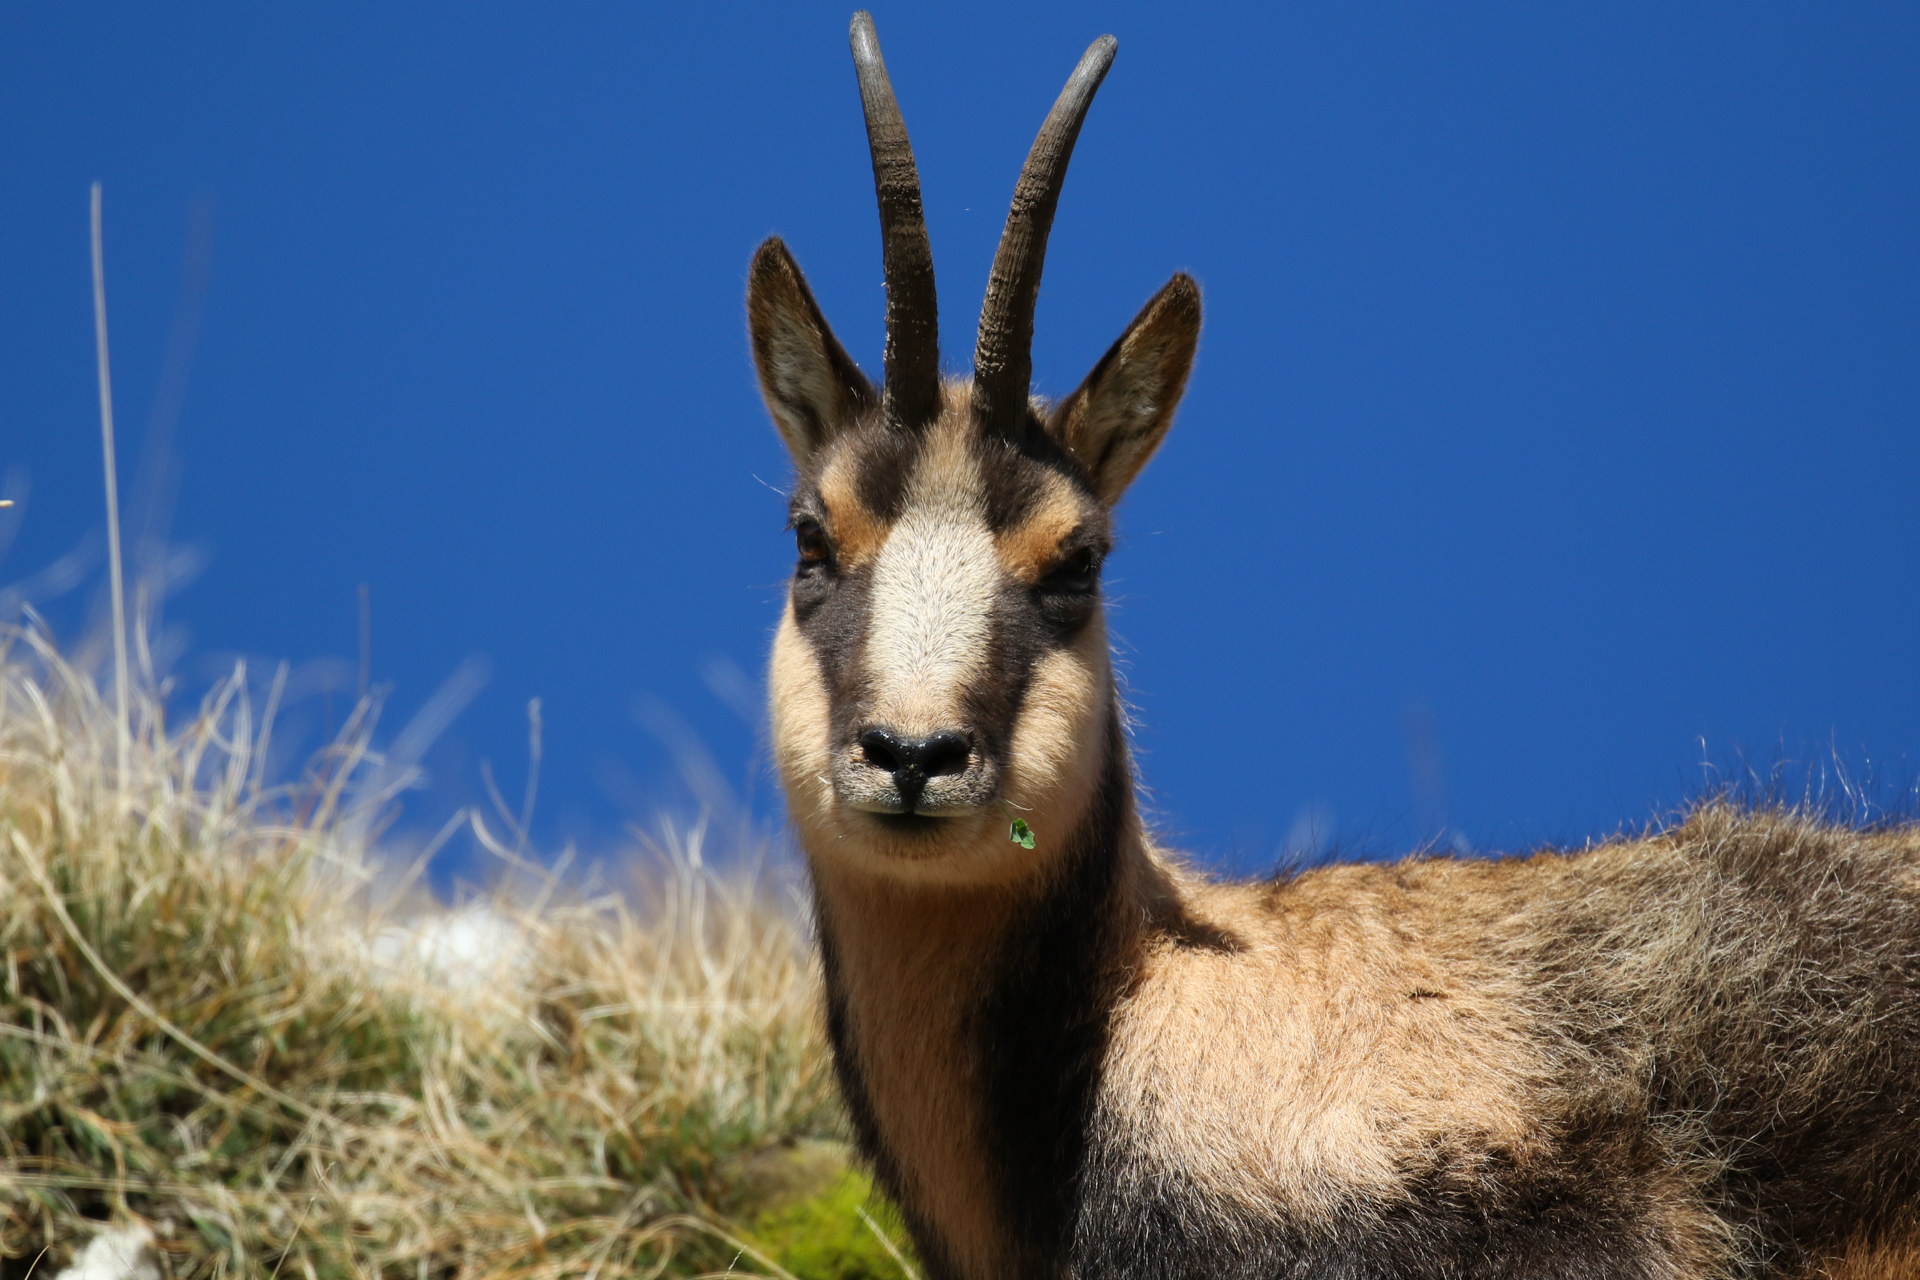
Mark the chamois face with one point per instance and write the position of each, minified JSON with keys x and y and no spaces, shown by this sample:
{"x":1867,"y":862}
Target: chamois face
{"x":942,"y":666}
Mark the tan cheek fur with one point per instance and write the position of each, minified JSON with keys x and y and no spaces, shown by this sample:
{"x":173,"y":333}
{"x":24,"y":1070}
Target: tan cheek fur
{"x":1060,"y":737}
{"x":802,"y":723}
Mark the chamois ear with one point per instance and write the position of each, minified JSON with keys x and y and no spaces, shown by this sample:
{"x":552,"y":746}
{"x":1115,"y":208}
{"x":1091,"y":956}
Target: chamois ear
{"x":1114,"y":420}
{"x":812,"y":387}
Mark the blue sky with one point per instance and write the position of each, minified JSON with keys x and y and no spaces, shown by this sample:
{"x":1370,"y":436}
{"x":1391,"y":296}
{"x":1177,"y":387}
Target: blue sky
{"x":1555,"y":429}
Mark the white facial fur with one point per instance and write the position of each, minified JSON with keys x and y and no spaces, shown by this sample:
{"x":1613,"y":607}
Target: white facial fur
{"x":931,"y":614}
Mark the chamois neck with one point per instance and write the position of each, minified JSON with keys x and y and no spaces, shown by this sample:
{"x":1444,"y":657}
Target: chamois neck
{"x":969,"y":1026}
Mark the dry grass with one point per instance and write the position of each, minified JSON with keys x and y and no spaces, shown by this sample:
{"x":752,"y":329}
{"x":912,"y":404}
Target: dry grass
{"x":222,"y":1016}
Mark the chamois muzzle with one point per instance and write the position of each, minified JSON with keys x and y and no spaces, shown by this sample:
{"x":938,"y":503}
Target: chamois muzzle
{"x":939,"y":775}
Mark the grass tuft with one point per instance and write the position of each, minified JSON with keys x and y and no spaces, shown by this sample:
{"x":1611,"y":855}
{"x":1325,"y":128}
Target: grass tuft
{"x":226,"y":1021}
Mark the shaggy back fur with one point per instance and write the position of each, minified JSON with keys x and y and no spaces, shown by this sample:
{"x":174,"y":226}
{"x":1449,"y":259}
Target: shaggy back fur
{"x":1696,"y":1054}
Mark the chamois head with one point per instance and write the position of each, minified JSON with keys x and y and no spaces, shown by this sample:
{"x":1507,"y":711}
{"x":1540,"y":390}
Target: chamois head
{"x":942,"y":664}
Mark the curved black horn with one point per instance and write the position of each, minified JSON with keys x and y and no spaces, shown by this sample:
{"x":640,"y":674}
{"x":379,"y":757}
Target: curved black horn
{"x":912,"y":396}
{"x":1003,"y":357}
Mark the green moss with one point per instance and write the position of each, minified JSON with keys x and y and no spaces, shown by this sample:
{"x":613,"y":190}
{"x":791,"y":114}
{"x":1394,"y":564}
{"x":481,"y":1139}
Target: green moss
{"x":822,"y":1234}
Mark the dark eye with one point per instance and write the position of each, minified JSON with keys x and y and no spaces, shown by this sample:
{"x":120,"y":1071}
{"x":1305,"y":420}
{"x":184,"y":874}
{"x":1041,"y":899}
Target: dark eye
{"x":811,"y":540}
{"x":1075,"y":575}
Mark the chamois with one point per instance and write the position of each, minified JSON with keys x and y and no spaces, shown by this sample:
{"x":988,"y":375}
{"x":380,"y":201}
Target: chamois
{"x":1692,"y":1054}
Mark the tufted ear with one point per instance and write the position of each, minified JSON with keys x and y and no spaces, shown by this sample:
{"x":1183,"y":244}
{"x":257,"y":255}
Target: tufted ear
{"x":1114,"y":420}
{"x":812,"y":387}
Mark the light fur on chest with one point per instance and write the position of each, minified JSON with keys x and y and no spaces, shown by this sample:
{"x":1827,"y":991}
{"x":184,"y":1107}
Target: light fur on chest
{"x":909,"y":974}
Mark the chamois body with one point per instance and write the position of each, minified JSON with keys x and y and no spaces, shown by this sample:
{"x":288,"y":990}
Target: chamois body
{"x":1690,"y":1055}
{"x":1695,"y":1054}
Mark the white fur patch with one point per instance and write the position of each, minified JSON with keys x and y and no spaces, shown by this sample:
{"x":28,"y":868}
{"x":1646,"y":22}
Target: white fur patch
{"x":932,"y":604}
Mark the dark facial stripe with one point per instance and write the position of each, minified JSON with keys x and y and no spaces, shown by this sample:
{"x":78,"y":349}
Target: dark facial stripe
{"x":1013,"y":473}
{"x":1010,"y":484}
{"x":831,"y":609}
{"x":888,"y":457}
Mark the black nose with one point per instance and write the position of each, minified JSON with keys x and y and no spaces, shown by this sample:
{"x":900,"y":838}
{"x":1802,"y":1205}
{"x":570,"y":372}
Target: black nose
{"x":912,"y":761}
